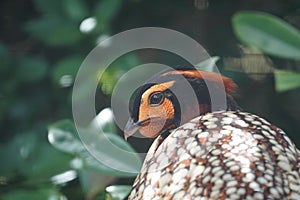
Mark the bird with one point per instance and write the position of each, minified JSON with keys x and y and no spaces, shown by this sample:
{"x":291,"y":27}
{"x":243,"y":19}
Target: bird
{"x":205,"y":151}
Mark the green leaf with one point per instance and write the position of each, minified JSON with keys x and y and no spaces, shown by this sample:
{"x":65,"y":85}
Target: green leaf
{"x":48,"y":163}
{"x":92,"y":182}
{"x":208,"y":65}
{"x":37,"y":194}
{"x":111,"y":151}
{"x":114,"y":156}
{"x":105,"y":11}
{"x":54,"y":31}
{"x":63,"y":178}
{"x":118,"y":192}
{"x":268,"y":33}
{"x":24,"y":148}
{"x":49,"y":7}
{"x":72,"y":9}
{"x":63,"y":136}
{"x":76,"y":9}
{"x":112,"y":74}
{"x":66,"y":67}
{"x":286,"y":80}
{"x":31,"y":69}
{"x":105,"y":121}
{"x":32,"y":158}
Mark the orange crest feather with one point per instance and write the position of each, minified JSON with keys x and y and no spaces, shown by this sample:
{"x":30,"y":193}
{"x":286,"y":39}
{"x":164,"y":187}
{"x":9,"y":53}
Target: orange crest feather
{"x":222,"y":81}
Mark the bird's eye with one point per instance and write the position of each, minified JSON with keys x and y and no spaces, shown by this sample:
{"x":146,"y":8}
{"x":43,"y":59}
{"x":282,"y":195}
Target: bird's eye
{"x":156,"y":98}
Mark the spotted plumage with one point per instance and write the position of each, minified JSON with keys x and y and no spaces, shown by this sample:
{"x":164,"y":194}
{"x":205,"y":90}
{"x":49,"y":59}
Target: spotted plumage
{"x":221,"y":155}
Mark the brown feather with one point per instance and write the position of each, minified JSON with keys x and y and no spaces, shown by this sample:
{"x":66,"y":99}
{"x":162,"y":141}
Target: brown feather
{"x":222,"y":81}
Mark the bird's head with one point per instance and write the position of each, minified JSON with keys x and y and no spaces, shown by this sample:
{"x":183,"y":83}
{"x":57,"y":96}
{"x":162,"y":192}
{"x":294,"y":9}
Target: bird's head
{"x":174,"y":97}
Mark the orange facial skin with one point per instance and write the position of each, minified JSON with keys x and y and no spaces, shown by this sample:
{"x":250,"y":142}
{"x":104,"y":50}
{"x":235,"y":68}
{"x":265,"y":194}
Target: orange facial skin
{"x":158,"y":115}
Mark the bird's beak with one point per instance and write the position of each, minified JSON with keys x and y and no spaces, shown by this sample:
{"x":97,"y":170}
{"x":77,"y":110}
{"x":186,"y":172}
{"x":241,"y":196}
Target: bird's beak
{"x":131,"y":128}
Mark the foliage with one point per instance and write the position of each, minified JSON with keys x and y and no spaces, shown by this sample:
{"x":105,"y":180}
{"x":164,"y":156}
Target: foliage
{"x":62,"y":135}
{"x":286,"y":80}
{"x":268,"y":33}
{"x":272,"y":36}
{"x":118,"y":191}
{"x":42,"y":193}
{"x":36,"y":91}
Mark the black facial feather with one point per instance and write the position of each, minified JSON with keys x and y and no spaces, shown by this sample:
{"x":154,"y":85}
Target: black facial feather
{"x":135,"y":101}
{"x":204,"y":95}
{"x":176,"y":105}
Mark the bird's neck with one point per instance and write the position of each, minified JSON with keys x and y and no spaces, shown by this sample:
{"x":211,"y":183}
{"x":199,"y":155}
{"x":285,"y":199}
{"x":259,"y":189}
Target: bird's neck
{"x":200,"y":108}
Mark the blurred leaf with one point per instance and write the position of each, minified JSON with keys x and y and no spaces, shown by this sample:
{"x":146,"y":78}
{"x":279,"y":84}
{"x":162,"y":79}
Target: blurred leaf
{"x":62,"y":136}
{"x":23,"y":147}
{"x":105,"y":11}
{"x":31,"y":69}
{"x":118,"y":192}
{"x":48,"y":163}
{"x":64,"y":177}
{"x":53,"y":7}
{"x":108,"y":80}
{"x":112,"y":151}
{"x":76,"y":9}
{"x":54,"y":30}
{"x":112,"y":74}
{"x":286,"y":80}
{"x":208,"y":65}
{"x":105,"y":121}
{"x":32,"y":157}
{"x":66,"y":67}
{"x":267,"y":33}
{"x":21,"y":109}
{"x":93,"y":182}
{"x":73,"y":9}
{"x":38,"y":194}
{"x":103,"y":148}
